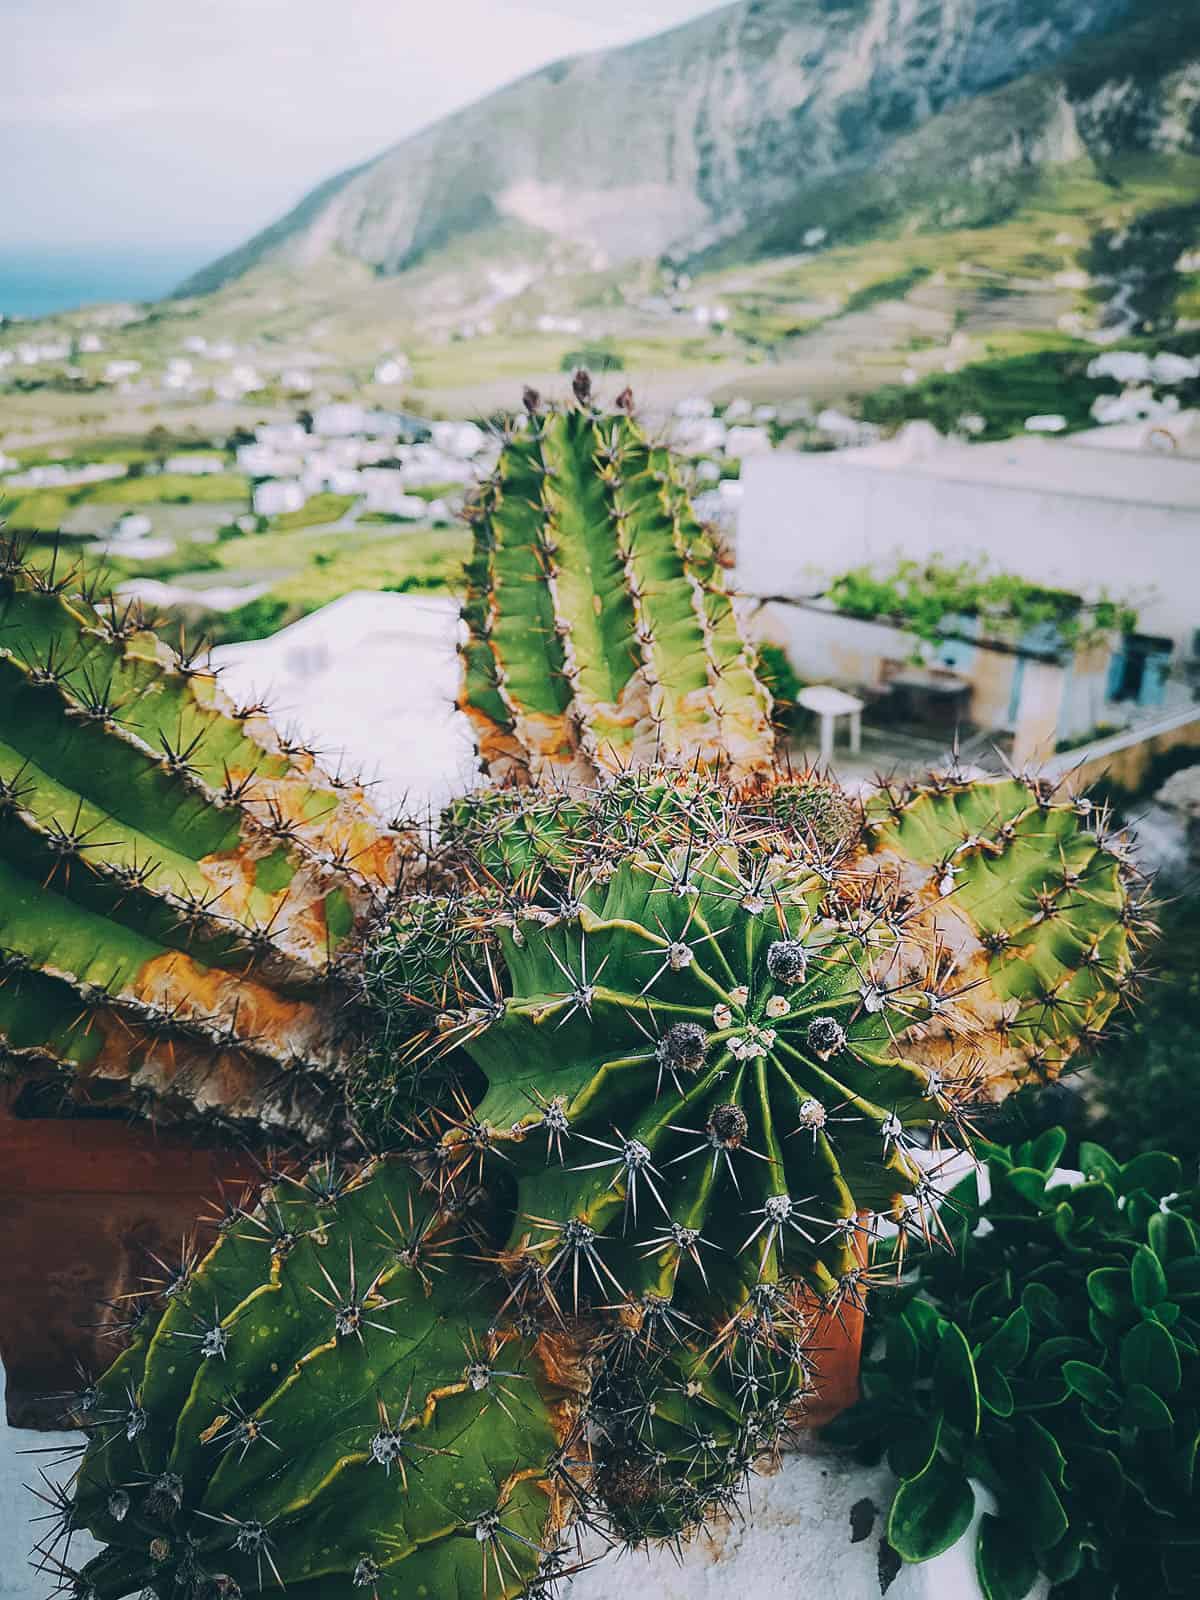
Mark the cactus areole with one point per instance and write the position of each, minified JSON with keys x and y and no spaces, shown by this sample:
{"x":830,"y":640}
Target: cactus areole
{"x":600,"y":630}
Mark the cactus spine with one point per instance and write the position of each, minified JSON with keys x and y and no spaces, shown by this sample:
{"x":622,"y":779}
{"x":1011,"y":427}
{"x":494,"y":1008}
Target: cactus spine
{"x":177,"y":883}
{"x":601,"y":632}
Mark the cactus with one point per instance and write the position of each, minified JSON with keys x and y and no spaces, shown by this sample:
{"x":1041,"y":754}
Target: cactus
{"x":601,"y":634}
{"x":177,"y":883}
{"x":323,"y":1403}
{"x":693,"y":1036}
{"x":1035,"y":901}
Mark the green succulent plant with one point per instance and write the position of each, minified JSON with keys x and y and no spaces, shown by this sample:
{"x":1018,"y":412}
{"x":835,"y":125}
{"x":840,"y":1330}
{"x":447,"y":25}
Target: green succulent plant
{"x":1055,"y":1358}
{"x":601,"y":633}
{"x":323,"y":1404}
{"x":178,"y":883}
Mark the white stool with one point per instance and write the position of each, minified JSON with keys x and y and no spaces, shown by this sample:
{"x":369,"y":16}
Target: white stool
{"x":829,"y":704}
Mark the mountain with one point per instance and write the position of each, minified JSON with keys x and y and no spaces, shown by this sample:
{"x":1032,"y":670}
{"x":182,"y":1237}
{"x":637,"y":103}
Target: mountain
{"x":740,"y":133}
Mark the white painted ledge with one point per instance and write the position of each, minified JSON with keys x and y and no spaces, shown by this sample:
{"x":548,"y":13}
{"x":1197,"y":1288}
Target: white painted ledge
{"x":812,"y":1528}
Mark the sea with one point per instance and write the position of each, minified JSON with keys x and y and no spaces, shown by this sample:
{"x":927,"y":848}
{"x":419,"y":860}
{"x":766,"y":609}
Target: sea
{"x":37,"y":283}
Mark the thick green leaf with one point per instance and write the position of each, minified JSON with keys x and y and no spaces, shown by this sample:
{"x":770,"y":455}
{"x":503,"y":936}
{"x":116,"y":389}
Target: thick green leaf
{"x":995,"y":1391}
{"x":1148,"y":1278}
{"x":1007,"y":1347}
{"x":1029,"y":1183}
{"x":1149,"y":1356}
{"x":1006,"y":1567}
{"x":1111,"y":1291}
{"x":1171,"y":1236}
{"x":1097,"y":1475}
{"x":930,"y":1513}
{"x":1088,"y":1381}
{"x":1042,"y":1306}
{"x":1046,"y":1150}
{"x":1144,"y":1409}
{"x":1183,"y":1278}
{"x":901,"y":1354}
{"x":1045,"y":1520}
{"x":1041,"y":1446}
{"x":1095,"y":1162}
{"x":954,"y":1380}
{"x":913,"y":1444}
{"x":1155,"y":1171}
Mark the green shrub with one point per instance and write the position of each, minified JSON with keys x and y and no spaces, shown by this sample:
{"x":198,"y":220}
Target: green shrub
{"x":1053,"y":1358}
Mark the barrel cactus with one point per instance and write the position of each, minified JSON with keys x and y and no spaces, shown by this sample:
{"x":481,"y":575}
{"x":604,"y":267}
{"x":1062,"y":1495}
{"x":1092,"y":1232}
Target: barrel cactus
{"x":178,"y":883}
{"x":324,"y":1404}
{"x":601,"y":633}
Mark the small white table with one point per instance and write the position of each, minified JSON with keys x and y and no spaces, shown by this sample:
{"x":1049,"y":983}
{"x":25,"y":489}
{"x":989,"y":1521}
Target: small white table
{"x":829,"y":704}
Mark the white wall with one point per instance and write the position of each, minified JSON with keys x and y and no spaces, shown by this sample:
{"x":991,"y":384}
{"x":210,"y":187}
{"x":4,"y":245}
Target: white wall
{"x":808,"y":517}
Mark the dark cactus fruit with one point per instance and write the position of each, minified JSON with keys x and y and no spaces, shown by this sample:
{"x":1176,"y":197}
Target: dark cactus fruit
{"x":601,"y":631}
{"x":179,"y":886}
{"x":325,"y":1404}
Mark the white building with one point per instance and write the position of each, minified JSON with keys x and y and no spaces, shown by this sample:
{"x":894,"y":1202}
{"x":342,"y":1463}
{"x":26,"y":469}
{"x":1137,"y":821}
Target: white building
{"x":282,"y":435}
{"x":461,"y":439}
{"x":339,"y":420}
{"x":392,"y":370}
{"x":385,"y":493}
{"x":264,"y":461}
{"x":277,"y":496}
{"x":54,"y":476}
{"x":115,"y":371}
{"x":195,"y":465}
{"x":743,"y":442}
{"x":1055,"y":512}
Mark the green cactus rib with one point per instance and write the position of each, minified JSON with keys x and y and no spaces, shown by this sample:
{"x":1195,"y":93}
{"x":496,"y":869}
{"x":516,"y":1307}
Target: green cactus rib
{"x":600,"y":632}
{"x":324,"y":1403}
{"x":1035,"y":902}
{"x":176,"y":883}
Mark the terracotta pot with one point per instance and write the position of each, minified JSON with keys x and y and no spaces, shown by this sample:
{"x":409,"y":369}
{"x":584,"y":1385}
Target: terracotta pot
{"x":85,"y":1205}
{"x":836,"y":1351}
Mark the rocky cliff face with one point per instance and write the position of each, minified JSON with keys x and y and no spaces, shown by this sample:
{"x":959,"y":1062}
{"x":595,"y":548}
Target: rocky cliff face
{"x":753,"y":119}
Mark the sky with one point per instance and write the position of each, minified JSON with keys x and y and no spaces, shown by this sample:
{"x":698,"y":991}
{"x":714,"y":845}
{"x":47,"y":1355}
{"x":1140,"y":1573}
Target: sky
{"x":173,"y":129}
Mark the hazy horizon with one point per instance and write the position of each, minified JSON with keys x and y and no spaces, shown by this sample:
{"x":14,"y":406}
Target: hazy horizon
{"x":158,"y":133}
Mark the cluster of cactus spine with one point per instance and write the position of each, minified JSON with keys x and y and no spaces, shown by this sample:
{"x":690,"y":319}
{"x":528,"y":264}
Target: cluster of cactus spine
{"x":177,"y":882}
{"x":601,"y":632}
{"x":324,"y":1404}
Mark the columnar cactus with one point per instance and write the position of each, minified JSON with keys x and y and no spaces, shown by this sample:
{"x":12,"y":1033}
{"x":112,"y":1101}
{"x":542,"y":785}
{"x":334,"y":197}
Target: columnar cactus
{"x":325,"y":1404}
{"x":1036,"y":904}
{"x":601,"y":632}
{"x":177,"y":882}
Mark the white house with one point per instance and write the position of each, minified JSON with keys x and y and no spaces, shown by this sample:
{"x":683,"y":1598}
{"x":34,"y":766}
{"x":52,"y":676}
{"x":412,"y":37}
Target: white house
{"x":193,"y":464}
{"x":278,"y":495}
{"x":1051,"y":511}
{"x":461,"y":439}
{"x":264,"y":461}
{"x":748,"y":442}
{"x":282,"y":435}
{"x":339,"y":420}
{"x":114,"y":371}
{"x":392,"y":370}
{"x":385,"y":492}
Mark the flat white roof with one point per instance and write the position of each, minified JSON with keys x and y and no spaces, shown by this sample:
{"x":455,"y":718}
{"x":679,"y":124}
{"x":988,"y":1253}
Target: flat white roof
{"x":1056,"y":466}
